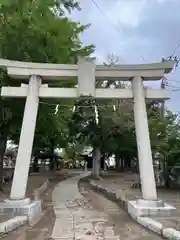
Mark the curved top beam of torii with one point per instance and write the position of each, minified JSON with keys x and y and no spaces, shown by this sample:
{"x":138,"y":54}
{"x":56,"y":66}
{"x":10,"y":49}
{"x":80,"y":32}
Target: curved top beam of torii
{"x":22,"y":70}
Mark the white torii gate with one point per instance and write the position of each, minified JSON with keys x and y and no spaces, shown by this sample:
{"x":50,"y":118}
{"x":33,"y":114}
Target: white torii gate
{"x":87,"y":73}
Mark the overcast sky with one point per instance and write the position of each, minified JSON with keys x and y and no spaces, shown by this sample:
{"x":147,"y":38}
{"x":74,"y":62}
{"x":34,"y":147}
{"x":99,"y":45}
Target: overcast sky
{"x":138,"y":31}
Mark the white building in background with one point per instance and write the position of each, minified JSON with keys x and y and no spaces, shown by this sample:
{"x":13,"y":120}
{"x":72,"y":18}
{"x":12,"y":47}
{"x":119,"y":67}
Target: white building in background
{"x":10,"y":155}
{"x":111,"y":161}
{"x":58,"y":150}
{"x":87,"y":151}
{"x":10,"y":144}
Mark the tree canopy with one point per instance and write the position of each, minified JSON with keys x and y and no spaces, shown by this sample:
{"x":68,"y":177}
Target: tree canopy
{"x":38,"y":31}
{"x":115,"y":131}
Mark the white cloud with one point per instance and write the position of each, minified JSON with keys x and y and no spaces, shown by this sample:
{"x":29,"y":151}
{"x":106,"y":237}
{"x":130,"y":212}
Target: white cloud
{"x":129,"y":12}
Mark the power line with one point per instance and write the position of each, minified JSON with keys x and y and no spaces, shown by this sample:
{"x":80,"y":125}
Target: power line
{"x":172,"y":86}
{"x":173,"y":81}
{"x":171,"y":57}
{"x":109,"y":19}
{"x":175,"y":90}
{"x":162,"y":109}
{"x":169,"y":83}
{"x":175,"y":50}
{"x":105,"y":15}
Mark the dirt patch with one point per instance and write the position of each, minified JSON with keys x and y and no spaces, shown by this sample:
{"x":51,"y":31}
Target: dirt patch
{"x":4,"y":217}
{"x":122,"y":183}
{"x":46,"y":223}
{"x":34,"y":181}
{"x":118,"y":219}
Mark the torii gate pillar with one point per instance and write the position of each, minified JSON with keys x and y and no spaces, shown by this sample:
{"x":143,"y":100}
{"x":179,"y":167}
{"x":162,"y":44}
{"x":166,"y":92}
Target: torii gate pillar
{"x":143,"y":142}
{"x":19,"y":183}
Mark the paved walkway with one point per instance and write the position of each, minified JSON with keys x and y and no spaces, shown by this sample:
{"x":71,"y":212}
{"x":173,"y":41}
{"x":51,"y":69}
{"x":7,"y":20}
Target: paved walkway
{"x":90,"y":216}
{"x":75,"y":218}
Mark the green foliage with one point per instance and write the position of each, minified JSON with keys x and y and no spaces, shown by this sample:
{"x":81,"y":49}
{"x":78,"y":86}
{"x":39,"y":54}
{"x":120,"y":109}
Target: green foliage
{"x":115,"y":132}
{"x":38,"y":31}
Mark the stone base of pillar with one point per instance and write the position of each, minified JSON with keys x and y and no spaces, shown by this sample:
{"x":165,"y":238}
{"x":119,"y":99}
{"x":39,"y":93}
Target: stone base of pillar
{"x":20,"y":202}
{"x":145,"y":208}
{"x":31,"y":209}
{"x":150,"y":203}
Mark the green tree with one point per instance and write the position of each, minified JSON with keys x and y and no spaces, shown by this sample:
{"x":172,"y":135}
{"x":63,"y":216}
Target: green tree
{"x":36,"y":31}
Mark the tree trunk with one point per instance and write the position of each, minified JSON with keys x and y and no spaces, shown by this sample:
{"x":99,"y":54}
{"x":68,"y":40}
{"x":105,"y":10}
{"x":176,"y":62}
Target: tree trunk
{"x":35,"y":165}
{"x":51,"y":159}
{"x":3,"y":143}
{"x":127,"y":163}
{"x":96,"y":163}
{"x":118,"y":163}
{"x":74,"y":160}
{"x":122,"y":165}
{"x":102,"y":161}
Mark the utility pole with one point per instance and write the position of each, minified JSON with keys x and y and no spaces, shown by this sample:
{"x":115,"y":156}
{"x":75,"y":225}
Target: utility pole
{"x":162,"y":109}
{"x":164,"y":80}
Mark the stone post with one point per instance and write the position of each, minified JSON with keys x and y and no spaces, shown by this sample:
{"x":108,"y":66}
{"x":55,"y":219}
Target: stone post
{"x":105,"y":168}
{"x":96,"y":162}
{"x":19,"y":184}
{"x":148,"y":185}
{"x":85,"y":166}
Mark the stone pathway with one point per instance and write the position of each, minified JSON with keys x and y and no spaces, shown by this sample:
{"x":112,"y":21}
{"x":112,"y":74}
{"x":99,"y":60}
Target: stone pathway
{"x":75,"y":217}
{"x":87,"y":216}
